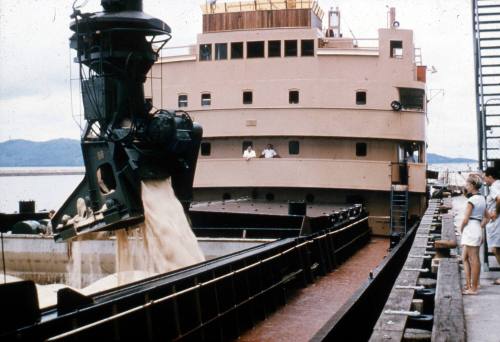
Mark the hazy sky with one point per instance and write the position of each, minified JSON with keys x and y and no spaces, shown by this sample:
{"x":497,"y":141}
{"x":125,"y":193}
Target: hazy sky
{"x":35,"y":97}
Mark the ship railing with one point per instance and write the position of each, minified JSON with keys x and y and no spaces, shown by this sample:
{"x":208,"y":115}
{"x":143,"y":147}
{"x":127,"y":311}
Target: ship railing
{"x":177,"y":51}
{"x":357,"y":43}
{"x":211,"y":7}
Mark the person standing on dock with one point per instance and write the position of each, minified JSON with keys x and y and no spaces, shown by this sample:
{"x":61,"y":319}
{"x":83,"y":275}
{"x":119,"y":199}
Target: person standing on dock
{"x":492,"y":223}
{"x":472,"y":234}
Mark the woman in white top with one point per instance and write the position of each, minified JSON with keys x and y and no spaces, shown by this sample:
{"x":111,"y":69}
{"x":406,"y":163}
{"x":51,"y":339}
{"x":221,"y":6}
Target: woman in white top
{"x":471,"y":234}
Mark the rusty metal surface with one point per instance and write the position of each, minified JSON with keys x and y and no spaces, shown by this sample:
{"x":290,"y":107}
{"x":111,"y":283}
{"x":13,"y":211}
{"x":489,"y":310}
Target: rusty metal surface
{"x":311,"y":307}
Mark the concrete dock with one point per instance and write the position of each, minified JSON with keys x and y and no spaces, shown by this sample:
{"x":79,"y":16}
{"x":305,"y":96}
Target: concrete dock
{"x":482,"y":312}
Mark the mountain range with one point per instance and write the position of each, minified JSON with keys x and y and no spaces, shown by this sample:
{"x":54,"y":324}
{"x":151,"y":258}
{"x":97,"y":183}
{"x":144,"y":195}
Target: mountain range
{"x":58,"y":152}
{"x":67,"y":152}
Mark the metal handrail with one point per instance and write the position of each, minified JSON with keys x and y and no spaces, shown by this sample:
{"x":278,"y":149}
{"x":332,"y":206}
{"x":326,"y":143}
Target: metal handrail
{"x":208,"y":282}
{"x":262,"y":5}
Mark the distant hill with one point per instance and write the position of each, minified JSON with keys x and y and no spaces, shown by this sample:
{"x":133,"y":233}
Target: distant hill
{"x":438,"y":159}
{"x":59,"y":152}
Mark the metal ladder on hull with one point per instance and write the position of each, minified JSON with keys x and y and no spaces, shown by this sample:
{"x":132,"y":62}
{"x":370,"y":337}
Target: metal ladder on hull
{"x":486,"y":35}
{"x":399,"y":209}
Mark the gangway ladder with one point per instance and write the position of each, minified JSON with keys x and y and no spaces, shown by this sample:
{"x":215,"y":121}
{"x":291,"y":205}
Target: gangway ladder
{"x":399,"y":209}
{"x":486,"y":27}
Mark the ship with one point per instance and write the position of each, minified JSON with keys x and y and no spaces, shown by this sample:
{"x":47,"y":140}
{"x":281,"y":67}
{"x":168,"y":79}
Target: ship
{"x":346,"y":116}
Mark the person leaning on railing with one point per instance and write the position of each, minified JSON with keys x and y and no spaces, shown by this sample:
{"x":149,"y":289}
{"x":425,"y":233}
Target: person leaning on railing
{"x":249,"y":153}
{"x":269,"y":152}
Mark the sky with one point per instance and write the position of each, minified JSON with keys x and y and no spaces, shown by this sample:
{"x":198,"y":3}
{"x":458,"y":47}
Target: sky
{"x":38,"y":100}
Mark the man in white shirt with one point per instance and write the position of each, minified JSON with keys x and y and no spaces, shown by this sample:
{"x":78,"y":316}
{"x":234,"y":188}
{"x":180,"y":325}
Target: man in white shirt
{"x":491,"y":178}
{"x":249,"y":153}
{"x":269,"y":152}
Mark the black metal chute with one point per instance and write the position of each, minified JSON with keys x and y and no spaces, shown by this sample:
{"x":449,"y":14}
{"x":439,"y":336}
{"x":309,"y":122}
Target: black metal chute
{"x":124,"y":142}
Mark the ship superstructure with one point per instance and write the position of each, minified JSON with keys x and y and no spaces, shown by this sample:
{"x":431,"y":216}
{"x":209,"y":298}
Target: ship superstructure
{"x":346,"y":116}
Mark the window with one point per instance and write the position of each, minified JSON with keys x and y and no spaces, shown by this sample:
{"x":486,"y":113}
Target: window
{"x":247,"y":97}
{"x":255,"y":49}
{"x":226,"y":196}
{"x":221,"y":51}
{"x":360,"y":149}
{"x":412,"y":98}
{"x":361,"y":97}
{"x":274,"y":48}
{"x":307,"y":47}
{"x":245,"y":144}
{"x":290,"y":48}
{"x":236,"y":50}
{"x":182,"y":101}
{"x":293,"y":96}
{"x":205,"y":52}
{"x":293,"y":147}
{"x":396,"y":49}
{"x":206,"y":148}
{"x":206,"y":99}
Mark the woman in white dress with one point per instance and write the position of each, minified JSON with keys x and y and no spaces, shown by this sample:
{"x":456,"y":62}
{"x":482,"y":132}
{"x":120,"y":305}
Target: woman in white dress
{"x":471,"y":234}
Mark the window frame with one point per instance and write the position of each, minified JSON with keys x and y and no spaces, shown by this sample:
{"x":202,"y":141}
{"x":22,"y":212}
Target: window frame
{"x":186,"y":101}
{"x":291,"y":150}
{"x":250,"y":49}
{"x":360,"y":147}
{"x":209,"y":99}
{"x":361,"y":102}
{"x":201,"y":56}
{"x":290,"y":93}
{"x":302,"y":48}
{"x":216,"y":50}
{"x":233,"y":44}
{"x":394,"y":49}
{"x":205,"y":143}
{"x":285,"y":50}
{"x":245,"y":144}
{"x":251,"y":97}
{"x":269,"y":49}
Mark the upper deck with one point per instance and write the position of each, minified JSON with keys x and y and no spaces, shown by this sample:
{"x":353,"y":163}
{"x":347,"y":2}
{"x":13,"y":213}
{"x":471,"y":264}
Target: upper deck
{"x":261,"y":14}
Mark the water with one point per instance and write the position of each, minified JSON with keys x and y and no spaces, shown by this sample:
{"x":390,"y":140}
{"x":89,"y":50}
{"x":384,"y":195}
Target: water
{"x":49,"y":192}
{"x":468,"y":167}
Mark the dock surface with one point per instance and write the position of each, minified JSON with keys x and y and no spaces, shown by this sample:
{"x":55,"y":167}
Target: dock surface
{"x":482,"y":311}
{"x":312,"y":306}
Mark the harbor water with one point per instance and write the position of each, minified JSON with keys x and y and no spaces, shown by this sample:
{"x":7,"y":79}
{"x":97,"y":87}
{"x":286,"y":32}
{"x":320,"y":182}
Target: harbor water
{"x":50,"y":191}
